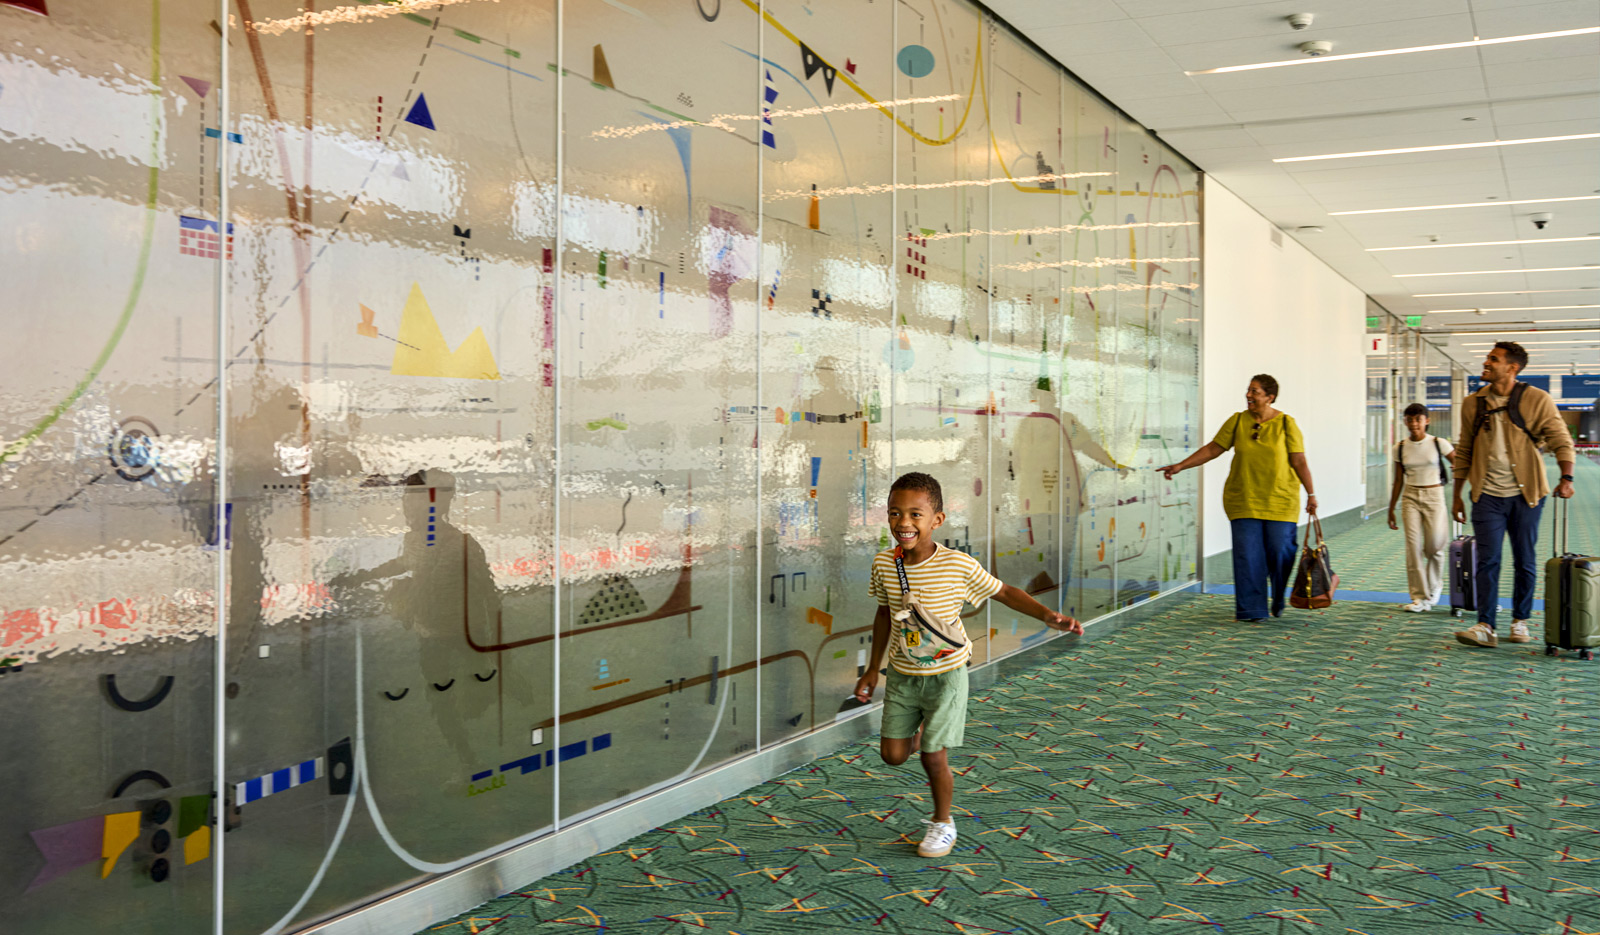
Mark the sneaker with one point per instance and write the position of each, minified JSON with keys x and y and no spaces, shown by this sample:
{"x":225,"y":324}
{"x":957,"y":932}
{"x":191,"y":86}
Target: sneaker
{"x":1519,"y":632}
{"x":1418,"y":607}
{"x":1437,"y":596}
{"x":1477,"y":635}
{"x":939,"y":840}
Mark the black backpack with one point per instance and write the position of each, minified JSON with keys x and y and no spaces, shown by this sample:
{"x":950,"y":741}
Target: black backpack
{"x":1512,"y":409}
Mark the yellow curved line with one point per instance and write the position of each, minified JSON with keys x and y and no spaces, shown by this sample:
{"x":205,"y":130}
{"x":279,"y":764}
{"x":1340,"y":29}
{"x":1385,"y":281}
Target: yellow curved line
{"x":844,"y":76}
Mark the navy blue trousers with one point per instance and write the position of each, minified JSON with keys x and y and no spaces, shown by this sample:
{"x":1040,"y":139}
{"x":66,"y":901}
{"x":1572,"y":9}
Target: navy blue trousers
{"x":1493,"y":518}
{"x":1263,"y":561}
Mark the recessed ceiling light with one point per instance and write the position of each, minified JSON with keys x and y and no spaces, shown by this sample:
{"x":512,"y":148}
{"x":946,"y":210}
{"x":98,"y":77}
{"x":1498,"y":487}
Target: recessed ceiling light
{"x":1482,"y":243}
{"x":1435,"y":149}
{"x":1486,"y":272}
{"x":1470,"y":204}
{"x":1420,"y":48}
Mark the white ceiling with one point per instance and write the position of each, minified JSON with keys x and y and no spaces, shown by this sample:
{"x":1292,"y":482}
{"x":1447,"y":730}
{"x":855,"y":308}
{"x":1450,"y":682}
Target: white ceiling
{"x":1233,"y":125}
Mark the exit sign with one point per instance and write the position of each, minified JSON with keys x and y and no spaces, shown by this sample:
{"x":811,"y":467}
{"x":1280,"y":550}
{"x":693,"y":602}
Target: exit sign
{"x":1413,"y":321}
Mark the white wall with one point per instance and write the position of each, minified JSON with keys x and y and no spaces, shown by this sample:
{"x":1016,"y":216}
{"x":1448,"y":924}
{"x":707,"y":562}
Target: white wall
{"x":1280,"y":310}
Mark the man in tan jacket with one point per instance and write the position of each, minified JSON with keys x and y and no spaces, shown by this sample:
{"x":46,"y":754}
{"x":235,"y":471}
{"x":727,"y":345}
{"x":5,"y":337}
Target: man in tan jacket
{"x":1503,"y":426}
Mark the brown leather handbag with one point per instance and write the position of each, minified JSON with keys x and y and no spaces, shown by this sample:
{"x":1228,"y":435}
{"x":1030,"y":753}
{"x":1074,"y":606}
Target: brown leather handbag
{"x":1315,"y":582}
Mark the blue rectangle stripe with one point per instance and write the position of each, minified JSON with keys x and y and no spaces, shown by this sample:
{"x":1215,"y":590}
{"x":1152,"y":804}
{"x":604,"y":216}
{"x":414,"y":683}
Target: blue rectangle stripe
{"x":574,"y":750}
{"x":479,"y":777}
{"x":308,"y":770}
{"x":281,"y":780}
{"x":601,"y":742}
{"x":252,"y":789}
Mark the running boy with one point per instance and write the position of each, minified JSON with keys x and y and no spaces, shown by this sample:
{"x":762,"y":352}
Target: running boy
{"x":925,"y":700}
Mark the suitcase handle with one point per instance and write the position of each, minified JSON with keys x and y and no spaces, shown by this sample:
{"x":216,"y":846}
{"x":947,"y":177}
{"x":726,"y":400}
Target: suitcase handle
{"x":1559,"y":521}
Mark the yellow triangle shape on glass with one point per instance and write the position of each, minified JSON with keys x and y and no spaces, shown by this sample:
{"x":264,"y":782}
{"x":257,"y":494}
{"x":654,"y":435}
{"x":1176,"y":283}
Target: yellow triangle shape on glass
{"x":421,"y":350}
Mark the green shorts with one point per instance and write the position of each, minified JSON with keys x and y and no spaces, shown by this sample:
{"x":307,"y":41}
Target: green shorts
{"x":937,"y":703}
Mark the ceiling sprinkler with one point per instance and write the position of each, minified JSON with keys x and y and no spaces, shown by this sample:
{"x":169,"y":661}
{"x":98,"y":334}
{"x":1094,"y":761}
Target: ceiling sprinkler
{"x":1299,"y":21}
{"x":1316,"y":48}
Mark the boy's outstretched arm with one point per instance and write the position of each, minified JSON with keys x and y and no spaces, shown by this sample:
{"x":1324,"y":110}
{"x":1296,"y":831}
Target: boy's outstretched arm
{"x":1021,"y":602}
{"x":880,"y":641}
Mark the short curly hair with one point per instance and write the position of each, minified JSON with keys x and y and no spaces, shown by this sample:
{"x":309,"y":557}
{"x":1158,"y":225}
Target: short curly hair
{"x":916,"y":480}
{"x":1267,"y":383}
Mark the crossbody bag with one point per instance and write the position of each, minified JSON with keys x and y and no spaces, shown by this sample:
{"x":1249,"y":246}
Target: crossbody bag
{"x":927,"y":638}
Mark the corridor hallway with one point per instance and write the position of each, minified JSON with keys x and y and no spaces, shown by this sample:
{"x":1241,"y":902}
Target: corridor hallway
{"x":1352,"y":770}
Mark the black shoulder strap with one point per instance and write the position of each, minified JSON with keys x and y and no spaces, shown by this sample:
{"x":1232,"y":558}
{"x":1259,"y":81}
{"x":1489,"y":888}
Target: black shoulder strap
{"x":1444,"y":476}
{"x":1514,"y":411}
{"x":900,"y":566}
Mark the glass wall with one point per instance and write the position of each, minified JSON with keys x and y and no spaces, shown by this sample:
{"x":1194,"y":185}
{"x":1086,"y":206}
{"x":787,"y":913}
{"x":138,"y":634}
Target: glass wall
{"x":519,"y":387}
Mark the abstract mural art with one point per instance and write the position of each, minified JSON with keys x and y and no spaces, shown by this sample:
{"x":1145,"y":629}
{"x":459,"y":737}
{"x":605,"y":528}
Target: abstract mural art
{"x":539,"y":415}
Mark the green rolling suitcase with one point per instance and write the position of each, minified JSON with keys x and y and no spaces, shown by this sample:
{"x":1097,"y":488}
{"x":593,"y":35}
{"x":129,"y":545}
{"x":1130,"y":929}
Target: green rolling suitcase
{"x":1571,"y":597}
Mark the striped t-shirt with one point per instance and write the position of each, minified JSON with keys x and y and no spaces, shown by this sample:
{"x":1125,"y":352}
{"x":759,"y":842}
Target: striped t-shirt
{"x":942,"y":582}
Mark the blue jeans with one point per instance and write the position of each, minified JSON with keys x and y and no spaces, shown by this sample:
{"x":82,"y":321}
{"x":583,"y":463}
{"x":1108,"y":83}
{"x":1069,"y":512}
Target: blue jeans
{"x":1492,"y":519}
{"x":1263,"y":559}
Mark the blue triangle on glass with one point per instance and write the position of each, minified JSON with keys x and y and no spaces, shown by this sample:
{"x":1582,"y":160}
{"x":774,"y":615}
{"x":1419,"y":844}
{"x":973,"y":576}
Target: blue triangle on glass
{"x":419,"y":113}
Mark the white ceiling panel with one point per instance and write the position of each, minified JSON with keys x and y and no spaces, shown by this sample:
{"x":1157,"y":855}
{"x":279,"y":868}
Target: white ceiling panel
{"x":1027,"y":16}
{"x":1545,"y":71}
{"x":1527,"y":18}
{"x":1233,"y":125}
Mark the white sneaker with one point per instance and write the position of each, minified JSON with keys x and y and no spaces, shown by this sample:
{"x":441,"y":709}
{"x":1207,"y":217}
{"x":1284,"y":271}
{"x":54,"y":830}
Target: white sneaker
{"x":1519,"y":632}
{"x":1437,"y":596}
{"x":1418,"y":607}
{"x":939,"y":840}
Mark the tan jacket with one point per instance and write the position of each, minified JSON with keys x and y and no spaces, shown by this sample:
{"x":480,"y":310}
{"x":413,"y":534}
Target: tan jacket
{"x":1540,"y":415}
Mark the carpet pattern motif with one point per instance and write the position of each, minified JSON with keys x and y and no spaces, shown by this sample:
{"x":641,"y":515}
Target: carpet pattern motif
{"x":1345,"y":771}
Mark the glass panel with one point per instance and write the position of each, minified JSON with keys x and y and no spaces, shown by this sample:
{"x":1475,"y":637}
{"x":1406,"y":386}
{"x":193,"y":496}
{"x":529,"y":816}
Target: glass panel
{"x":391,"y":505}
{"x":943,"y":412}
{"x":658,"y":350}
{"x":1088,"y":389}
{"x":828,"y":249}
{"x":108,"y":415}
{"x":1025,"y":92}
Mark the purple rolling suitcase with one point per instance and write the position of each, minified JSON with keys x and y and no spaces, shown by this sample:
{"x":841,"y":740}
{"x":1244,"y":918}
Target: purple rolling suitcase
{"x":1463,"y":575}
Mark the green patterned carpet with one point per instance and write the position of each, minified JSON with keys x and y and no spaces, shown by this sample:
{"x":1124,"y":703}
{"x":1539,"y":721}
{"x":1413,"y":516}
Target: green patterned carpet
{"x":1372,"y":557}
{"x":1346,"y":771}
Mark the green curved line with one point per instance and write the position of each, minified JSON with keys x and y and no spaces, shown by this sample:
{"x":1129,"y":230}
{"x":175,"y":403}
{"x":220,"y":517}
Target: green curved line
{"x":60,"y":409}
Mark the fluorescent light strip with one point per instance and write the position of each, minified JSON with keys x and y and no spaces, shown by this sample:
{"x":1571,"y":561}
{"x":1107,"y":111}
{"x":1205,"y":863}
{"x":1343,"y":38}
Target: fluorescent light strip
{"x":1446,"y":295}
{"x":1435,"y":149}
{"x":1481,"y":243}
{"x":1418,"y":48}
{"x":1469,"y":204}
{"x":1491,"y":343}
{"x":1489,"y":331}
{"x":1485,"y":272}
{"x":1513,"y":308}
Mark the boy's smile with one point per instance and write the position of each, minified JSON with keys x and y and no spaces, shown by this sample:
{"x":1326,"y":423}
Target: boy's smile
{"x":912,"y":520}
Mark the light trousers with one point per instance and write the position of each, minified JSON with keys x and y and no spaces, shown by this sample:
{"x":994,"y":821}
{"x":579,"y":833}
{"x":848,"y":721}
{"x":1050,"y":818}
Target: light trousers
{"x":1427,"y":525}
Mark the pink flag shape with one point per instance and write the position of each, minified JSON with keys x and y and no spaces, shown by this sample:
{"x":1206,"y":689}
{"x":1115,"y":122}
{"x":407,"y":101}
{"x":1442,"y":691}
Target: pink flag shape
{"x":67,"y":847}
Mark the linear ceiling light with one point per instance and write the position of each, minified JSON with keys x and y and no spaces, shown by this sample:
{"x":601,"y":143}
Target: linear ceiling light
{"x":1487,"y":331}
{"x":1418,"y":48}
{"x":1435,"y":149}
{"x":1470,"y":204}
{"x":1511,"y":308}
{"x":1481,"y":243}
{"x":1442,"y":295}
{"x":1491,"y":343}
{"x":1485,"y":272}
